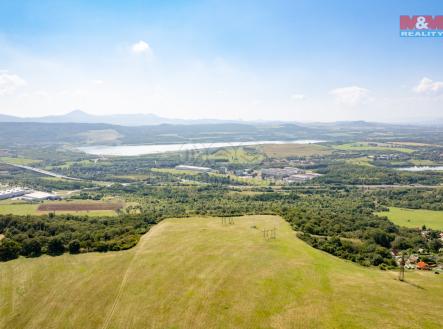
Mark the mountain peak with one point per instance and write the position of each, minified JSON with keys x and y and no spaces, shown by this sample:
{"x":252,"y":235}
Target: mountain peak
{"x":77,"y":113}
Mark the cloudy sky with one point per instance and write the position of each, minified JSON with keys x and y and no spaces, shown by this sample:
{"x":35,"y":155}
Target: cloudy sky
{"x":254,"y":60}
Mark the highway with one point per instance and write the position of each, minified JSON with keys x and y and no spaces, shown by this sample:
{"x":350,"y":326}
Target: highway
{"x":43,"y":172}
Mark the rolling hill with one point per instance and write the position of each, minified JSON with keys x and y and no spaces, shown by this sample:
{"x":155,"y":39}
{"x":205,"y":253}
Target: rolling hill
{"x":199,"y":273}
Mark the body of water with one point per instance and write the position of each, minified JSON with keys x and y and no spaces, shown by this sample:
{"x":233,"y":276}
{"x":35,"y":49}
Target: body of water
{"x":422,"y":168}
{"x":134,"y":150}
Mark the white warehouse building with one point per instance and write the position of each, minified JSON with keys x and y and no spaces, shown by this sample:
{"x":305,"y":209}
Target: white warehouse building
{"x":12,"y":193}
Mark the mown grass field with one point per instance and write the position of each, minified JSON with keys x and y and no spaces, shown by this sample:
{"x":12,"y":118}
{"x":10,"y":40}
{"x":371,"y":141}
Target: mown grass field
{"x":295,"y":150}
{"x":415,"y":217}
{"x":250,"y":181}
{"x":24,"y":208}
{"x":199,"y":273}
{"x":19,"y":161}
{"x":236,"y":155}
{"x":362,"y":161}
{"x":364,"y":146}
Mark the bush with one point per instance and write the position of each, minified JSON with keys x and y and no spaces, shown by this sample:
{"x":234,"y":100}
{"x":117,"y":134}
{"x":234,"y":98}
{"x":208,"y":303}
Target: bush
{"x":74,"y":247}
{"x":31,"y":248}
{"x":55,"y":246}
{"x":400,"y":243}
{"x":9,"y":249}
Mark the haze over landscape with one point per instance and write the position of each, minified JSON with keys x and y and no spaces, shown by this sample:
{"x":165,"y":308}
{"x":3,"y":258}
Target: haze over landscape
{"x":183,"y":60}
{"x":212,"y":164}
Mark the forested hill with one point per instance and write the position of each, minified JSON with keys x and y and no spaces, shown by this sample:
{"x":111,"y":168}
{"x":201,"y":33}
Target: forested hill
{"x":37,"y":133}
{"x":16,"y":133}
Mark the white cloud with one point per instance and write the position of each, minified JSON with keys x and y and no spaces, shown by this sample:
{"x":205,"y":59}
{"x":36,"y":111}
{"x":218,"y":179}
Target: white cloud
{"x":10,"y":83}
{"x":298,"y":97}
{"x":351,"y":95}
{"x":97,"y":82}
{"x":429,"y":87}
{"x":141,"y":47}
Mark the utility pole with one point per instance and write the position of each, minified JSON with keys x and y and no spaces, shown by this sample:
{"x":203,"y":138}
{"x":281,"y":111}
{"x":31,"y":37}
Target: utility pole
{"x":402,"y":268}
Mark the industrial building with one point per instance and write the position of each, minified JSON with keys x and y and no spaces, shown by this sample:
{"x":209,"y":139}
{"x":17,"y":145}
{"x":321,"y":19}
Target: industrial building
{"x":299,"y":178}
{"x":39,"y":196}
{"x":12,"y":192}
{"x":26,"y":194}
{"x":280,"y":173}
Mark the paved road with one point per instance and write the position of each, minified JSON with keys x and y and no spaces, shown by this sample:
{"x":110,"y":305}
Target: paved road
{"x":43,"y":172}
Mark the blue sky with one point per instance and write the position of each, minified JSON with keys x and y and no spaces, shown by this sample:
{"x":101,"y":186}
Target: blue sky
{"x":262,"y":60}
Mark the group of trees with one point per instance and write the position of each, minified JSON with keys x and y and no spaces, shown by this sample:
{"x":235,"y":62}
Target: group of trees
{"x":366,"y":175}
{"x":418,"y":198}
{"x":32,"y":236}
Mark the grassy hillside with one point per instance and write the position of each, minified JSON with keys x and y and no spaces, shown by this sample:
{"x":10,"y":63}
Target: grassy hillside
{"x":199,"y":273}
{"x":415,"y":217}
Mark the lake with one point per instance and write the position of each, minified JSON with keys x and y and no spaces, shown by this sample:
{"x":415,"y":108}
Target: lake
{"x":422,"y":168}
{"x":135,"y":150}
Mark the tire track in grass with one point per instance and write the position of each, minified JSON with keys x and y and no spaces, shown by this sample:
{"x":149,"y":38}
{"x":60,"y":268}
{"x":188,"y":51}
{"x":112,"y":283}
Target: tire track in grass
{"x":153,"y":231}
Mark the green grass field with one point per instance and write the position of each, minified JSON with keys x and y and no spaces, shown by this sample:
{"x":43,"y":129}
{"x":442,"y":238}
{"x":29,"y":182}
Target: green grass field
{"x":198,"y":273}
{"x":236,"y":155}
{"x":295,"y":150}
{"x":415,"y":217}
{"x":362,"y":161}
{"x":17,"y":208}
{"x":364,"y":146}
{"x":250,"y":181}
{"x":19,"y":161}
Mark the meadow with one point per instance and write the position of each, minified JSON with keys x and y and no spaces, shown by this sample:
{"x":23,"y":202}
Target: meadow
{"x":200,"y":273}
{"x":364,"y":146}
{"x":415,"y":217}
{"x":294,"y":150}
{"x":235,"y":155}
{"x":19,"y":161}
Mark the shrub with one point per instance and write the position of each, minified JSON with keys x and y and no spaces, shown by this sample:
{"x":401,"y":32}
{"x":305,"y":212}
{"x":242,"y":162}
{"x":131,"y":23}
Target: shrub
{"x":55,"y":246}
{"x":31,"y":248}
{"x":74,"y":247}
{"x":9,"y":249}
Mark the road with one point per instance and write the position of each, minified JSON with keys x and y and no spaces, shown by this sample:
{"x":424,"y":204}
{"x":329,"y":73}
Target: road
{"x":43,"y":172}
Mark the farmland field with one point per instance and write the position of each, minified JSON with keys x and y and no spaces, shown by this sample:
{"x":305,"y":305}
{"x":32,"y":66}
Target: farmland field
{"x":294,"y":150}
{"x":19,"y":161}
{"x":78,"y":206}
{"x":361,"y":161}
{"x":363,"y":146}
{"x":415,"y":217}
{"x":199,"y":273}
{"x":236,"y":155}
{"x":90,"y":208}
{"x":17,"y":208}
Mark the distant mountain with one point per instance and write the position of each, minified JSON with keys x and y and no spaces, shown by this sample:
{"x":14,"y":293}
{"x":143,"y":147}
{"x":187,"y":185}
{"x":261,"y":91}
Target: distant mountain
{"x":9,"y":118}
{"x":62,"y":133}
{"x":78,"y":116}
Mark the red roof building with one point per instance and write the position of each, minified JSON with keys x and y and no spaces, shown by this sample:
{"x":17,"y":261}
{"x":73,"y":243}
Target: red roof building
{"x":421,"y":265}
